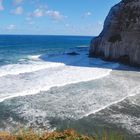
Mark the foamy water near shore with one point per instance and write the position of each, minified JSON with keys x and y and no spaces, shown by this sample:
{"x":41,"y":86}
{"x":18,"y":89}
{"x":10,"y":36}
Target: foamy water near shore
{"x":44,"y":72}
{"x":111,"y":101}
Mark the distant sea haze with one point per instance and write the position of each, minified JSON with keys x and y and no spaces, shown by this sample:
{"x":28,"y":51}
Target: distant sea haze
{"x":49,"y":78}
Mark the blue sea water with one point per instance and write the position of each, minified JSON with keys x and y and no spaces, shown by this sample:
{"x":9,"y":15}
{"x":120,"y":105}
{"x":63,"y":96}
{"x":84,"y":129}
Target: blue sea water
{"x":16,"y":47}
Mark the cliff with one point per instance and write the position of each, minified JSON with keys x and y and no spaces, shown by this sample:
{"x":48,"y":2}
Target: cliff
{"x":120,"y":38}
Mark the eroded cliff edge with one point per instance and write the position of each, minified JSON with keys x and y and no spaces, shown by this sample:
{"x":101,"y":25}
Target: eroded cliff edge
{"x":120,"y":38}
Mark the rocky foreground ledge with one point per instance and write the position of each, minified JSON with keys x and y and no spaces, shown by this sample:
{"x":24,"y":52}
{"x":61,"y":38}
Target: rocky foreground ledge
{"x":120,"y":38}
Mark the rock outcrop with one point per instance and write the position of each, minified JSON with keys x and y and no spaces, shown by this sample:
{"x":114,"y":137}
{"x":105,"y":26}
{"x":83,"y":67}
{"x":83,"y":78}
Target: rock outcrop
{"x":120,"y":38}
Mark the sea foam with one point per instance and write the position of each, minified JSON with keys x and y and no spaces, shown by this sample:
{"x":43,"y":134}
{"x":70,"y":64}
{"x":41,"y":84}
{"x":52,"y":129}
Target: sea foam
{"x":43,"y":72}
{"x":33,"y":65}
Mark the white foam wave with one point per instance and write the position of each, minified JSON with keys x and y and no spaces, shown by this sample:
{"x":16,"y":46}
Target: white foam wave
{"x":110,"y":104}
{"x":56,"y":71}
{"x":131,"y":93}
{"x":34,"y":57}
{"x":31,"y":66}
{"x":75,"y":101}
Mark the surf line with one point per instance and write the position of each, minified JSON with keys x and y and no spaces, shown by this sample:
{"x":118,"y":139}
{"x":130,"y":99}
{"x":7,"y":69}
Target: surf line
{"x":113,"y":103}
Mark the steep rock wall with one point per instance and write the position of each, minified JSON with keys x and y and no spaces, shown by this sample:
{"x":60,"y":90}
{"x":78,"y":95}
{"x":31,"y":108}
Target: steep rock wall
{"x":120,"y":38}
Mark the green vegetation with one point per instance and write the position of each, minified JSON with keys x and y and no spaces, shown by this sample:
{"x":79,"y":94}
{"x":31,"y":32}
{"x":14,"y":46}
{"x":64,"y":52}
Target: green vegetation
{"x":65,"y":135}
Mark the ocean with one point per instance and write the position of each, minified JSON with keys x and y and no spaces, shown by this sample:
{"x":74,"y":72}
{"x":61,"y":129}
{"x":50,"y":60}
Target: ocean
{"x":49,"y":82}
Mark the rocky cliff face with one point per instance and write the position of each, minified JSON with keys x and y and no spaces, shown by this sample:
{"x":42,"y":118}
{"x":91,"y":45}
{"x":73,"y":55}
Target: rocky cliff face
{"x":120,"y":38}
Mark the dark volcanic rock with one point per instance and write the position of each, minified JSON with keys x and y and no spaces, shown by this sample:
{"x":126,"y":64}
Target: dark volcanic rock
{"x":120,"y":38}
{"x":72,"y":53}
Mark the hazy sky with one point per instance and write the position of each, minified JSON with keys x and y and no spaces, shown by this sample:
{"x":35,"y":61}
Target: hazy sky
{"x":53,"y":17}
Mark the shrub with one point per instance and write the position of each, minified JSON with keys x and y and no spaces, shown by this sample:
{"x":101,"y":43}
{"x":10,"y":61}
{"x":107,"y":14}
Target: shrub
{"x":65,"y":135}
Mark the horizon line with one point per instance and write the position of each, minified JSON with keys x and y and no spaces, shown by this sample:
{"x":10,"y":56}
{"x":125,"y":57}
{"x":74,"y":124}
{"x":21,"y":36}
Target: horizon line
{"x":47,"y":35}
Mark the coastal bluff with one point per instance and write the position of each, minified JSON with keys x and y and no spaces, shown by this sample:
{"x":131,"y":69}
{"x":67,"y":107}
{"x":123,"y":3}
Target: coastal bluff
{"x":120,"y":37}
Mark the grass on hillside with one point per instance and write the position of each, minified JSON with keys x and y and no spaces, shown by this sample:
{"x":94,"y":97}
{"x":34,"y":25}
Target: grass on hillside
{"x":65,"y":135}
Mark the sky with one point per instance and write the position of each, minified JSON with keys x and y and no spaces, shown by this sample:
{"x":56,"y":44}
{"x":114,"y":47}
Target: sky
{"x":54,"y":17}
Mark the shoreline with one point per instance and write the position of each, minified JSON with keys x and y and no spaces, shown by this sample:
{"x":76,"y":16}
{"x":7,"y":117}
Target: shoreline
{"x":33,"y":100}
{"x":92,"y":70}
